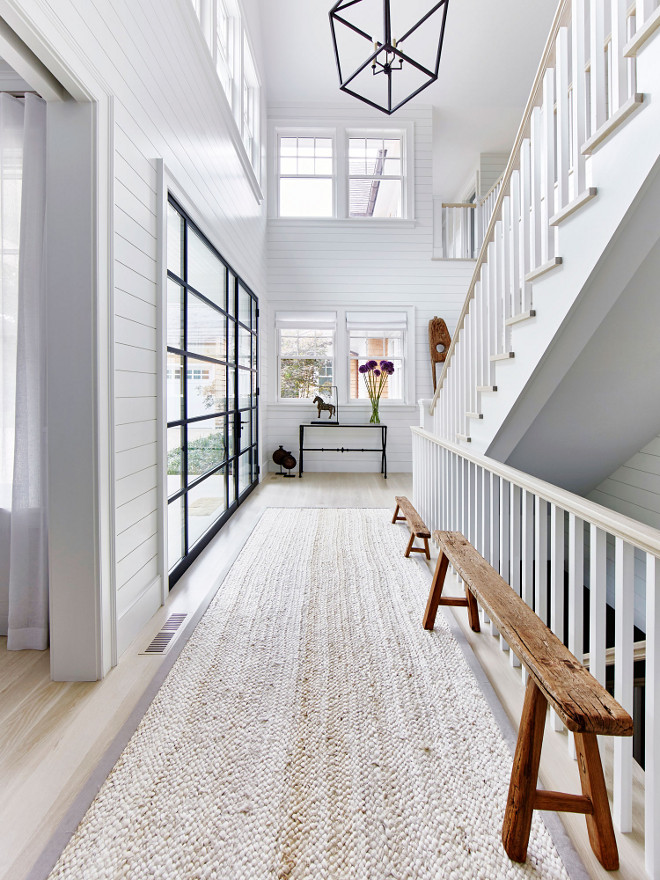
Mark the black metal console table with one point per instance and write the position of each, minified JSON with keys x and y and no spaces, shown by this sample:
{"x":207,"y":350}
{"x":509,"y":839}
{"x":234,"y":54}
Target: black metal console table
{"x":302,"y":448}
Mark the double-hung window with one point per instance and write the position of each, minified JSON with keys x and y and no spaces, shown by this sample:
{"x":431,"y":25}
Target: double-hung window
{"x":317,"y":350}
{"x":305,"y":176}
{"x":377,"y":337}
{"x":306,"y":354}
{"x":375,"y":176}
{"x":343,"y":173}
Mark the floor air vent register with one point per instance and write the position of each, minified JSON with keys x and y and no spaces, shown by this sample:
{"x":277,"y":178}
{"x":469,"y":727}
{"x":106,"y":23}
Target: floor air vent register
{"x":162,"y":641}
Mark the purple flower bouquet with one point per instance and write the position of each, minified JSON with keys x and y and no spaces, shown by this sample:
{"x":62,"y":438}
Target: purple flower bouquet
{"x":375,"y":375}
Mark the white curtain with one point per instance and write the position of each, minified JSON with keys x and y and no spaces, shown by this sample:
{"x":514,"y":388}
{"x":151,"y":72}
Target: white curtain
{"x":23,"y":527}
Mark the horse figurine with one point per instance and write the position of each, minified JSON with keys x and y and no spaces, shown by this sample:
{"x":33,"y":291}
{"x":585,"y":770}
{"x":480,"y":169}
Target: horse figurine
{"x":321,"y":405}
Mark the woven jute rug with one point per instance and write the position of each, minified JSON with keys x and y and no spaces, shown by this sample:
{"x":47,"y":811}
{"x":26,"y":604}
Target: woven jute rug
{"x":312,"y":729}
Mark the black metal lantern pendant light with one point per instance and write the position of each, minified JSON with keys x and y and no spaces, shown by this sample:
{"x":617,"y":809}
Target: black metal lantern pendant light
{"x":384,"y":58}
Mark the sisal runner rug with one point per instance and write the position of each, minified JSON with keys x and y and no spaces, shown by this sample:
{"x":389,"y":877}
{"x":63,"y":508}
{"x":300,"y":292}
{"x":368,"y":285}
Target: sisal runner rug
{"x":312,"y":729}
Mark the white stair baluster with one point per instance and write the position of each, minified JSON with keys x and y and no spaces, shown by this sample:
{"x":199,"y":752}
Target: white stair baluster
{"x":536,"y":140}
{"x":505,"y":538}
{"x":548,"y":161}
{"x":597,"y":76}
{"x":525,"y":221}
{"x":578,"y":62}
{"x":541,"y":558}
{"x":556,"y":586}
{"x":624,"y":574}
{"x":514,"y":250}
{"x":562,"y":62}
{"x":619,"y":74}
{"x":493,"y":528}
{"x":575,"y":592}
{"x":597,"y":602}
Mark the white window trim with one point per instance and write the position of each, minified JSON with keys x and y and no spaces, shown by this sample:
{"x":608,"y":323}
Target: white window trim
{"x":408,"y":358}
{"x":340,"y":132}
{"x":341,"y":368}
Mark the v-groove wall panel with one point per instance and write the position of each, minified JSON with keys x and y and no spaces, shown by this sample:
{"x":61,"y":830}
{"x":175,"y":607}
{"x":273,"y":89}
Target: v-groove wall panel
{"x":345,"y":265}
{"x":168,"y":103}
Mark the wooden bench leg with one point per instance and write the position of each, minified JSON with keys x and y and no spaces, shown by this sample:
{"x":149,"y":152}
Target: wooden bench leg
{"x":426,"y":548}
{"x":396,"y":511}
{"x":599,"y":823}
{"x":473,"y":611}
{"x":436,"y":591}
{"x":524,"y":774}
{"x":409,"y":547}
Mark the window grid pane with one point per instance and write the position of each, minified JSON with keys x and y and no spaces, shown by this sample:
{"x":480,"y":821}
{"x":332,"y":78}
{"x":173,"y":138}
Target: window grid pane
{"x":202,"y":404}
{"x":375,"y":170}
{"x":305,"y":157}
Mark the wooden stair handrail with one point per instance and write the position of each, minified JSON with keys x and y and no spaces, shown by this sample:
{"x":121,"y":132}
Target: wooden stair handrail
{"x":640,"y":535}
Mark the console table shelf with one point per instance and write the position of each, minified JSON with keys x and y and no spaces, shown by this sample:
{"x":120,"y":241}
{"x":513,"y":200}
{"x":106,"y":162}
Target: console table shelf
{"x":382,"y":448}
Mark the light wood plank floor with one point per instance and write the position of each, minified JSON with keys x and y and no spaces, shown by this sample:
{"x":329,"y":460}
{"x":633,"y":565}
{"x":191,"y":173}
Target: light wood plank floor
{"x":53,"y":734}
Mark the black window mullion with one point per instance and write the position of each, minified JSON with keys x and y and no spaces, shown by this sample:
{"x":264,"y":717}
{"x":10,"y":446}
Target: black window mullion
{"x":231,"y":415}
{"x":184,"y":427}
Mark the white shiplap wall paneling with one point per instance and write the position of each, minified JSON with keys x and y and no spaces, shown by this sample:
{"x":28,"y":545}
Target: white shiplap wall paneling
{"x":338,"y":265}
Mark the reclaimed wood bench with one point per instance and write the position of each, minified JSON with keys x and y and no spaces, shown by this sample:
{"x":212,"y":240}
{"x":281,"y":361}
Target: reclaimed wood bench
{"x":556,"y":678}
{"x":415,"y":524}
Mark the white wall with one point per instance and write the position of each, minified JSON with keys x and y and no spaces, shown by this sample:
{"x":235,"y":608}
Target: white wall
{"x":491,"y":168}
{"x":168,"y":103}
{"x":342,"y":265}
{"x":634,"y":490}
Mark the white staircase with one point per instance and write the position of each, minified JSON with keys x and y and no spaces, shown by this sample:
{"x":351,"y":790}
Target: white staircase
{"x":573,"y":222}
{"x":560,"y":328}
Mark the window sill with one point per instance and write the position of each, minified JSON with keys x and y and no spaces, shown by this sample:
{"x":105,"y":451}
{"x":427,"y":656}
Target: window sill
{"x":353,"y":404}
{"x":343,"y":222}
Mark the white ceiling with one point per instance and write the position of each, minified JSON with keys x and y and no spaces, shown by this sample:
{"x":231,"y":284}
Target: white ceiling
{"x":490,"y":55}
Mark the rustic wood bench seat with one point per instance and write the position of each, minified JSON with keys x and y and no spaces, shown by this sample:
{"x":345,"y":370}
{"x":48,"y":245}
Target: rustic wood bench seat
{"x":415,"y":524}
{"x":556,"y":677}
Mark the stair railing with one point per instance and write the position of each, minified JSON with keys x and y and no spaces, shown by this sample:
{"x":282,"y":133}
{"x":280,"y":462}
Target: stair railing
{"x":464,"y":224}
{"x":569,"y":559}
{"x":584,"y":88}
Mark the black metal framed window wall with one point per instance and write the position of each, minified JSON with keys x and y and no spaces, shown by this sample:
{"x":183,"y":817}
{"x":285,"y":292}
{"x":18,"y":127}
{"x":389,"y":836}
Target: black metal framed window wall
{"x":212,"y":392}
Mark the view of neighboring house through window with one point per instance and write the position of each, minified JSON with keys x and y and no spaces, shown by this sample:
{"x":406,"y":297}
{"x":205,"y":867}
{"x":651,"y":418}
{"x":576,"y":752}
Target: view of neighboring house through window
{"x":377,"y":345}
{"x":377,"y":336}
{"x":375,"y":171}
{"x":212,"y":417}
{"x":305,"y":177}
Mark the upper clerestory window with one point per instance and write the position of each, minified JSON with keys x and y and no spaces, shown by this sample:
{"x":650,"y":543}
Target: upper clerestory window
{"x":342,"y":173}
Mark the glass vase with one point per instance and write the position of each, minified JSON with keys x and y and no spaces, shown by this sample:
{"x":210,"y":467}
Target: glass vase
{"x":375,"y":416}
